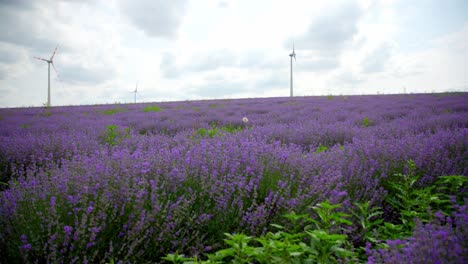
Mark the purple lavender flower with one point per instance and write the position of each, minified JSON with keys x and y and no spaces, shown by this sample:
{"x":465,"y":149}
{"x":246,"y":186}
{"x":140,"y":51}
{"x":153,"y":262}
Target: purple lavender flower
{"x":68,"y":230}
{"x":25,"y":247}
{"x":52,"y":201}
{"x":24,"y":239}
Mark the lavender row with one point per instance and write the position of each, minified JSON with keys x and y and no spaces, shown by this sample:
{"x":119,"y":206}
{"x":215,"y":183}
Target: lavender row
{"x":154,"y":198}
{"x":35,"y":133}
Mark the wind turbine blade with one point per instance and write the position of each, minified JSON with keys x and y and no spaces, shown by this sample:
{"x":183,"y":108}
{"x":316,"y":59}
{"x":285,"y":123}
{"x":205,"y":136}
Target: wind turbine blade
{"x":53,"y":54}
{"x":136,"y":87}
{"x":54,"y":68}
{"x":41,"y":59}
{"x":294,"y":52}
{"x":58,"y":75}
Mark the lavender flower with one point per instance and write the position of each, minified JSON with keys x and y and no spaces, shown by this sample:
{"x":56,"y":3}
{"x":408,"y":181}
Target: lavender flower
{"x":68,"y":230}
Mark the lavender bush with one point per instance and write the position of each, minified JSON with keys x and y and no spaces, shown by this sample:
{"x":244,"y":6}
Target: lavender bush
{"x":134,"y":182}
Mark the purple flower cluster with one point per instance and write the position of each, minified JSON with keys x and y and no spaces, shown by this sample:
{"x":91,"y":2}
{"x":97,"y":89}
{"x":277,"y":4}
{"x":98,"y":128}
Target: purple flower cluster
{"x":445,"y":240}
{"x":163,"y":188}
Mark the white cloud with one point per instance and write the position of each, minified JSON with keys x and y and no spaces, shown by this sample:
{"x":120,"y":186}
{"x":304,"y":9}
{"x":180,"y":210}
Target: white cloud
{"x":332,"y":30}
{"x":376,"y":60}
{"x":157,"y":18}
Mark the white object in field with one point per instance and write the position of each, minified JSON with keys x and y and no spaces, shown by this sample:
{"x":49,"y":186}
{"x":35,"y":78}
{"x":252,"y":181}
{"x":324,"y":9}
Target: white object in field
{"x":245,"y":120}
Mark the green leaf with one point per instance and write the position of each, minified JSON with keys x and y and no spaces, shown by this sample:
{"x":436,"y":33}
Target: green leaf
{"x":277,"y":226}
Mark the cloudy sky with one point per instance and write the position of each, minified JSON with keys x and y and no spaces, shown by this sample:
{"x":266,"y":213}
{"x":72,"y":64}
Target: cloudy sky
{"x":205,"y":49}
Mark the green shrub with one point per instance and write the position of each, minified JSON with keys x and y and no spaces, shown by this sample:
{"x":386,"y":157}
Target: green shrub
{"x":113,"y":135}
{"x":366,"y":122}
{"x":320,"y":149}
{"x":203,"y":132}
{"x":152,"y":108}
{"x":215,"y":131}
{"x":113,"y":111}
{"x":316,"y":243}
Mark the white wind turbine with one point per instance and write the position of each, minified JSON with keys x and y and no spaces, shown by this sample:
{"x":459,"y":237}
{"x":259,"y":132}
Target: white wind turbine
{"x":49,"y":62}
{"x":136,"y":91}
{"x":293,"y":54}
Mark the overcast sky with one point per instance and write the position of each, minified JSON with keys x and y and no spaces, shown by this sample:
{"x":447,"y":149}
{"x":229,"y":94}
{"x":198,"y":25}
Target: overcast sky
{"x":205,"y":49}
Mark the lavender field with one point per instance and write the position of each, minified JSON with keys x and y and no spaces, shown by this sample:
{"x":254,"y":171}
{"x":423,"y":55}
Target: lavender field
{"x":132,"y":183}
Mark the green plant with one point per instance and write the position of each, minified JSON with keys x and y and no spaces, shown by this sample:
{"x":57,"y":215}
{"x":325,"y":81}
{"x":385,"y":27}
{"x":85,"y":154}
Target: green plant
{"x":152,"y":108}
{"x":368,"y":221}
{"x":328,"y":218}
{"x":231,"y":128}
{"x":114,"y":136}
{"x":203,"y":132}
{"x":328,"y":248}
{"x":449,"y":189}
{"x":325,"y":245}
{"x":281,"y":247}
{"x":177,"y":258}
{"x":366,"y":122}
{"x":238,"y":251}
{"x":313,"y":244}
{"x":113,"y":111}
{"x":320,"y":149}
{"x":410,"y":201}
{"x":215,"y":131}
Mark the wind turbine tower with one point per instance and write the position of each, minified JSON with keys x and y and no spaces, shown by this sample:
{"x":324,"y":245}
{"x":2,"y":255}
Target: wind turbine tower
{"x":293,"y":54}
{"x":49,"y":62}
{"x":136,"y":91}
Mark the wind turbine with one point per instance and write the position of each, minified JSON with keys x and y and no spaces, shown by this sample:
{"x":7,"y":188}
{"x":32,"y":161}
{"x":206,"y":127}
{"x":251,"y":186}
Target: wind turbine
{"x":49,"y":62}
{"x":136,"y":91}
{"x":293,"y":54}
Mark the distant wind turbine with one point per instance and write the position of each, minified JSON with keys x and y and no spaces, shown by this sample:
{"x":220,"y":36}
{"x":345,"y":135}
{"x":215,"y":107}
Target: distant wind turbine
{"x":49,"y":62}
{"x":136,"y":91}
{"x":293,"y":54}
